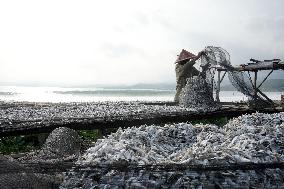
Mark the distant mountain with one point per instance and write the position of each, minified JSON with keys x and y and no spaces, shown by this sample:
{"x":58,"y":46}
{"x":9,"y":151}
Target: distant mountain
{"x":273,"y":85}
{"x":269,"y":85}
{"x":159,"y":86}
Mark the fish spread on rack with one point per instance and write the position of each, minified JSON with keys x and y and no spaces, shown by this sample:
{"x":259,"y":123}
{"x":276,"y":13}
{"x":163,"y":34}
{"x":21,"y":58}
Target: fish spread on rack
{"x":257,"y":138}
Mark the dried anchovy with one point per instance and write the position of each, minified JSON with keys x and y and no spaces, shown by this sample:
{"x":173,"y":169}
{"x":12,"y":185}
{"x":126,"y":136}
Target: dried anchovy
{"x":64,"y":112}
{"x":197,"y":94}
{"x":257,"y":138}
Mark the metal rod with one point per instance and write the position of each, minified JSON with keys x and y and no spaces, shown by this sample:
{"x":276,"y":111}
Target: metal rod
{"x":264,"y":79}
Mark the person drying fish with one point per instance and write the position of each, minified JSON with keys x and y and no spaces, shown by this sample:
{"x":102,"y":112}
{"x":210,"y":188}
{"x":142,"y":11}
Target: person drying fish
{"x":184,"y":69}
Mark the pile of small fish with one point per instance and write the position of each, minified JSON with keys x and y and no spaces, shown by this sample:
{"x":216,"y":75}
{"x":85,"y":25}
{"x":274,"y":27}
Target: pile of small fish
{"x":19,"y":116}
{"x":142,"y":145}
{"x":198,"y":94}
{"x":62,"y":144}
{"x":257,"y":138}
{"x":15,"y":111}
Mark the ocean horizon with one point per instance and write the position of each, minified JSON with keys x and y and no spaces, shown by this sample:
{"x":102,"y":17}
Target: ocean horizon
{"x":93,"y":94}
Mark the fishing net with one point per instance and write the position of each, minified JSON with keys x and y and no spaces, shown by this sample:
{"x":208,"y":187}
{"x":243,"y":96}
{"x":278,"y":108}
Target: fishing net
{"x":201,"y":91}
{"x":217,"y":56}
{"x":198,"y":93}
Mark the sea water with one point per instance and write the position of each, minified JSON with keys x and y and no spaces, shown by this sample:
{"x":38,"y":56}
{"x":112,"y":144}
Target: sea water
{"x":63,"y":94}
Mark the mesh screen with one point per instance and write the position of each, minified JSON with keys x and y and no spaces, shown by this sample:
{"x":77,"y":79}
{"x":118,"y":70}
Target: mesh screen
{"x":217,"y":56}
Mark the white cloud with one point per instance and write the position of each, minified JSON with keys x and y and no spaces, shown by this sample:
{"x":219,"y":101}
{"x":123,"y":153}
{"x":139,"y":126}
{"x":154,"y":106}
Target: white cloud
{"x":89,"y":42}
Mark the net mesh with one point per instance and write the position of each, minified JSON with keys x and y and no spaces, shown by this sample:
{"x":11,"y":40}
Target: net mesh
{"x":217,"y":56}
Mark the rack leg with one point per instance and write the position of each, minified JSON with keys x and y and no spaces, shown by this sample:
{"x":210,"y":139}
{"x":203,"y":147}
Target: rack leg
{"x":255,"y":87}
{"x":218,"y":87}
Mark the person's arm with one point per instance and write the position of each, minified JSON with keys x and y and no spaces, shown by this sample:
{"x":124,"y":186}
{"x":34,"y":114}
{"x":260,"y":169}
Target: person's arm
{"x":191,"y":62}
{"x":198,"y":56}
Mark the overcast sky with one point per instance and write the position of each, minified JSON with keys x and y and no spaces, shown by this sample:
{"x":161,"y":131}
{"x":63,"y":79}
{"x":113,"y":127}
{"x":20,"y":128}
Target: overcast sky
{"x":129,"y":41}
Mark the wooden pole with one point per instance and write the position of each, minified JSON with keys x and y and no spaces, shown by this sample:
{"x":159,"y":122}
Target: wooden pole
{"x":255,"y":87}
{"x":218,"y":86}
{"x":264,"y":79}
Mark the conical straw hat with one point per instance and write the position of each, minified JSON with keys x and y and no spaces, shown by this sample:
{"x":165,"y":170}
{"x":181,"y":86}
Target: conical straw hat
{"x":184,"y":55}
